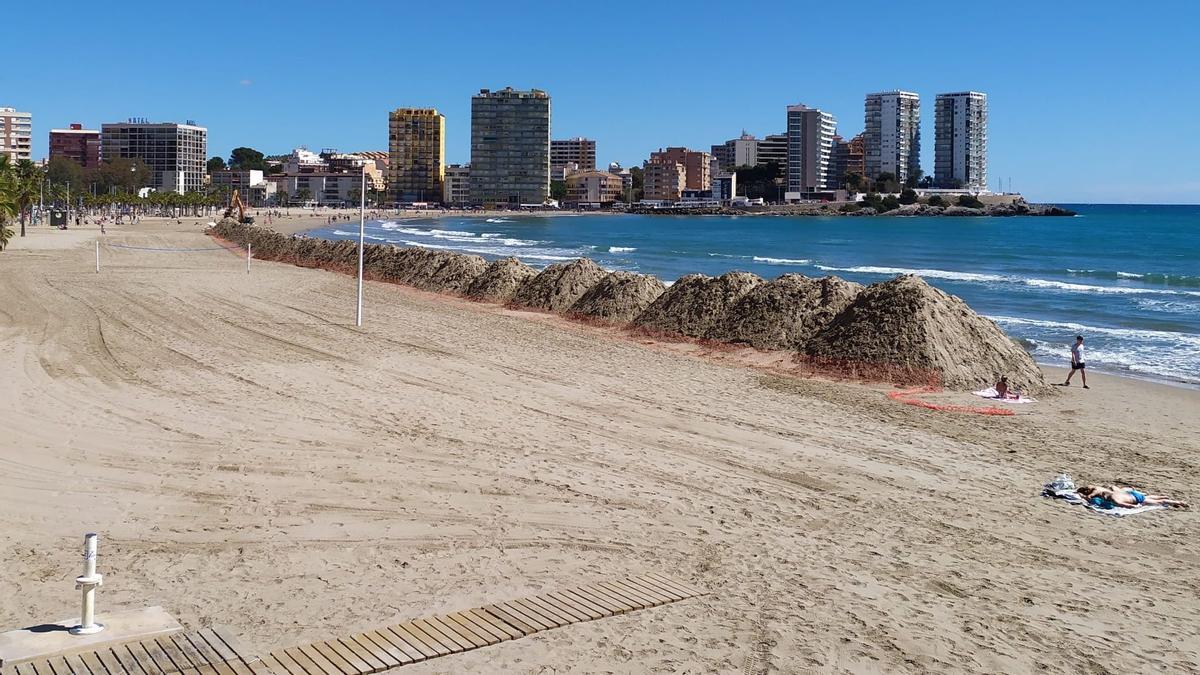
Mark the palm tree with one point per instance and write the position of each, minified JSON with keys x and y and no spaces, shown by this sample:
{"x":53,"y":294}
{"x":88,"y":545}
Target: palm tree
{"x":27,"y":186}
{"x":8,"y":205}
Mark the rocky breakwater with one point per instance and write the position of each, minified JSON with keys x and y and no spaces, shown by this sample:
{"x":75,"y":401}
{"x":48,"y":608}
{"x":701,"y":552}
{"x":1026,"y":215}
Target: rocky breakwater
{"x":900,"y":324}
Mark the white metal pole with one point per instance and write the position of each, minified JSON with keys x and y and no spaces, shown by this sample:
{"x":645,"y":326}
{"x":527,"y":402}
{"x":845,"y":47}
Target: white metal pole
{"x":97,"y":256}
{"x":247,"y":257}
{"x":88,"y":583}
{"x":362,"y":224}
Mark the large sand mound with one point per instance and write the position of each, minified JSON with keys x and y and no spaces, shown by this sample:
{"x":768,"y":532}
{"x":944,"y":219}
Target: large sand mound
{"x":619,"y":297}
{"x":559,"y":286}
{"x":906,"y":322}
{"x":500,"y":280}
{"x":696,"y":305}
{"x":786,"y":312}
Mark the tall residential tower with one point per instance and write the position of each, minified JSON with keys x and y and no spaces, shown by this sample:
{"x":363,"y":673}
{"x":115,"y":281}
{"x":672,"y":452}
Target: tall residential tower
{"x":810,"y":135}
{"x":960,"y":140}
{"x":416,"y":154}
{"x":892,"y":135}
{"x":510,"y":146}
{"x":16,"y":134}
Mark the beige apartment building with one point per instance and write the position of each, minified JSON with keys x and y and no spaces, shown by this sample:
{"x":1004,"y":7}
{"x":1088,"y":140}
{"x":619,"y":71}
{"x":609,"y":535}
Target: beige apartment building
{"x":16,"y":134}
{"x":416,"y":154}
{"x":457,"y":187}
{"x":570,"y":155}
{"x":663,"y":180}
{"x":594,"y":187}
{"x":696,"y":164}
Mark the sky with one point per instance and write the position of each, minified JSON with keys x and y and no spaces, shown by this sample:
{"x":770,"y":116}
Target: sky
{"x":1089,"y":101}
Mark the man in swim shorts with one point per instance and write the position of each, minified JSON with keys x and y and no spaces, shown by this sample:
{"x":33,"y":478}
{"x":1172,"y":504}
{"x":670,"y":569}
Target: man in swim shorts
{"x":1077,"y":362}
{"x":1112,"y":496}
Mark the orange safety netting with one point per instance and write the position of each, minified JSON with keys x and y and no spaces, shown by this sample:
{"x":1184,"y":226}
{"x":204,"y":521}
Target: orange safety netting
{"x":907,"y":397}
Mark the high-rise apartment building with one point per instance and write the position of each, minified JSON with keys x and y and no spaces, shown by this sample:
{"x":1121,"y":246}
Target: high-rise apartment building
{"x":416,"y":154}
{"x":892,"y":135}
{"x":175,"y":153}
{"x":960,"y":140}
{"x":77,"y":144}
{"x":773,"y":148}
{"x":696,"y":165}
{"x":510,"y":146}
{"x":16,"y":134}
{"x":810,"y":135}
{"x":847,"y":159}
{"x":457,"y":186}
{"x":572,"y":154}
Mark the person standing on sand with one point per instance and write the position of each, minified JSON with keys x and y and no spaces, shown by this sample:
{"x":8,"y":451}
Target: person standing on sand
{"x":1077,"y":362}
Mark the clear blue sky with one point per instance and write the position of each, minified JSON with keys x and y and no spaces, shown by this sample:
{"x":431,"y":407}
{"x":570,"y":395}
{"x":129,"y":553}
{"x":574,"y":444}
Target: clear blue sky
{"x":1094,"y":101}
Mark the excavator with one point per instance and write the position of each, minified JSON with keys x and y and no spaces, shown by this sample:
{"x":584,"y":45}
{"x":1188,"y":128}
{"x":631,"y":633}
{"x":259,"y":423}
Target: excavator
{"x":235,"y":201}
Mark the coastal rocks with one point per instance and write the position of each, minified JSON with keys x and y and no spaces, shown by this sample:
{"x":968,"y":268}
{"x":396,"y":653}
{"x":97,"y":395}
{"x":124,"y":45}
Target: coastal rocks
{"x":916,"y":210}
{"x":619,"y":297}
{"x":907,"y":323}
{"x":500,"y":280}
{"x":786,"y":312}
{"x":696,"y":305}
{"x":559,"y":286}
{"x":963,"y":211}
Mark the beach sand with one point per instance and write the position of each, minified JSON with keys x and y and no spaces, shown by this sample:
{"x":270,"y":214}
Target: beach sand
{"x":253,"y":460}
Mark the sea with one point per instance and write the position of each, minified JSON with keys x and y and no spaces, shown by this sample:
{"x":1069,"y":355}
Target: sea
{"x":1126,"y":277}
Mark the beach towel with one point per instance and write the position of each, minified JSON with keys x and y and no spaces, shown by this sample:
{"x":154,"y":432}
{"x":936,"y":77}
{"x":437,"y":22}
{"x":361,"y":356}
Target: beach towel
{"x":1053,"y":491}
{"x":991,"y":393}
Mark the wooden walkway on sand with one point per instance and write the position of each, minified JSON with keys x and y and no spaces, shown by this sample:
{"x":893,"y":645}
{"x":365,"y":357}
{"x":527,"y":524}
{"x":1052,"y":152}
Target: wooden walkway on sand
{"x":210,"y":651}
{"x":213,"y":651}
{"x":421,"y":639}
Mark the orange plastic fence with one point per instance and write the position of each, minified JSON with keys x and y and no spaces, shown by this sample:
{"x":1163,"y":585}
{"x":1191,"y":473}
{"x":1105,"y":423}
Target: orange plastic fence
{"x":908,"y":397}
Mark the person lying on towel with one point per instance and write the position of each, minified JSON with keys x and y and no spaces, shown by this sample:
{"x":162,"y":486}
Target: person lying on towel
{"x":1112,"y":496}
{"x":1002,"y":390}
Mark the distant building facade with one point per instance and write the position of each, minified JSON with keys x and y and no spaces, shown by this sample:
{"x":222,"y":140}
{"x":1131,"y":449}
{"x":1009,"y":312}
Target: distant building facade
{"x":892,"y":134}
{"x":810,"y":150}
{"x":510,"y":146}
{"x":175,"y":153}
{"x":323,"y":188}
{"x":737,"y":152}
{"x":572,"y":154}
{"x":416,"y":154}
{"x":774,"y":148}
{"x":77,"y":144}
{"x":251,"y":184}
{"x":457,"y":185}
{"x":626,"y":176}
{"x":960,"y":140}
{"x":847,"y":159}
{"x":16,"y":134}
{"x":696,"y":165}
{"x":593,"y":187}
{"x":663,"y":180}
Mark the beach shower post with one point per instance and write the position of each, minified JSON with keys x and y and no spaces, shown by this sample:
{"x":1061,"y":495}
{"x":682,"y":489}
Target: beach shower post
{"x":87,"y":584}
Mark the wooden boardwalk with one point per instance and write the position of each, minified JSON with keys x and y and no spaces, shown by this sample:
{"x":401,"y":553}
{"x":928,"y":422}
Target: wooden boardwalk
{"x":213,"y":651}
{"x":210,"y":651}
{"x":421,"y":639}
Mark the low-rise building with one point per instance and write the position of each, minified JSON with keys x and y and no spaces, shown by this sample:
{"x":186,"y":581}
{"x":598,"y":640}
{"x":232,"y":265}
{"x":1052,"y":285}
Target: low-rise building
{"x":16,"y":134}
{"x":251,"y":184}
{"x":77,"y":144}
{"x":594,"y":187}
{"x":323,"y":188}
{"x":456,"y":190}
{"x":724,"y":186}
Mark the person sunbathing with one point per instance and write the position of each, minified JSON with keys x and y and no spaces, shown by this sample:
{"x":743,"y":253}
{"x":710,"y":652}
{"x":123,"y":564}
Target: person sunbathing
{"x":1112,"y":496}
{"x":1002,"y":390}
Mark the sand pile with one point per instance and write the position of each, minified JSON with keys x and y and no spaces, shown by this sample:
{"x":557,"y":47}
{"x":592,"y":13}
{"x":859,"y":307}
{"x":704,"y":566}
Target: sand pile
{"x":696,"y":305}
{"x":500,"y":280}
{"x":908,"y":323}
{"x":456,"y":273}
{"x":786,"y":312}
{"x":559,"y":286}
{"x":619,"y":297}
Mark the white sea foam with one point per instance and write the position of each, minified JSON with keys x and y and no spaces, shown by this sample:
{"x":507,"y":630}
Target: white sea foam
{"x":932,"y":274}
{"x":621,"y":249}
{"x":498,"y":220}
{"x":1067,"y":327}
{"x":1089,"y":288}
{"x":355,"y":234}
{"x":781,"y":261}
{"x":1130,"y":275}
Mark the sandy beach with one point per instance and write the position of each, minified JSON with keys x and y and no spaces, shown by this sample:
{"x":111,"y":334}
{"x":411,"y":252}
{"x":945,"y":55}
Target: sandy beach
{"x":252,"y":459}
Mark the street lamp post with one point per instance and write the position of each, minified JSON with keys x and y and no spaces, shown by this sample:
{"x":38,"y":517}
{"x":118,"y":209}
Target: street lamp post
{"x":362,"y":222}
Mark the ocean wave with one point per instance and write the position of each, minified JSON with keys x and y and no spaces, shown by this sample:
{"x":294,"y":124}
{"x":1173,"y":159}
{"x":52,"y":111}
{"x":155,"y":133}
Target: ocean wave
{"x":1148,"y":360}
{"x":497,"y":220}
{"x":554,"y":255}
{"x":928,"y":273}
{"x":781,"y":261}
{"x":1091,"y":288}
{"x":1130,"y":275}
{"x":1071,"y":328}
{"x":344,"y":233}
{"x":621,"y":249}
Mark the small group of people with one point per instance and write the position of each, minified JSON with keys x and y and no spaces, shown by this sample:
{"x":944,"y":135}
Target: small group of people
{"x":1113,"y":496}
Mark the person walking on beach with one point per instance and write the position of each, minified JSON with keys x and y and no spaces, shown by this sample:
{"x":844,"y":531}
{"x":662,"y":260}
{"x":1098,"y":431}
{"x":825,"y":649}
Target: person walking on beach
{"x":1077,"y":362}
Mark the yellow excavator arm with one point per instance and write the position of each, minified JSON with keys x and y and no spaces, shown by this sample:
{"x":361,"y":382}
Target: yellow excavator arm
{"x":235,"y":201}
